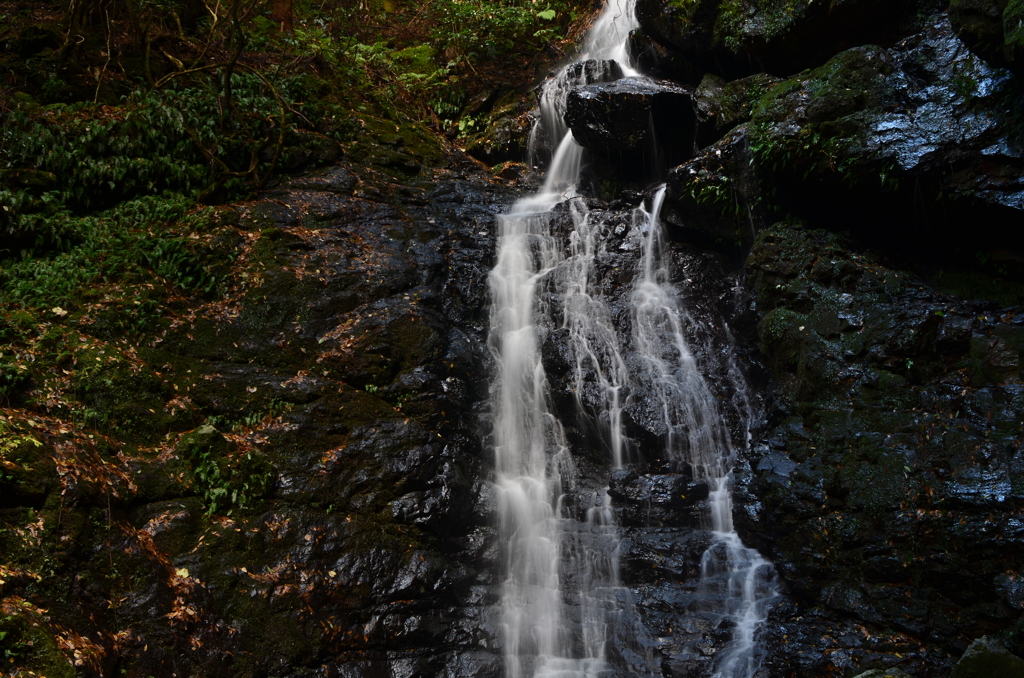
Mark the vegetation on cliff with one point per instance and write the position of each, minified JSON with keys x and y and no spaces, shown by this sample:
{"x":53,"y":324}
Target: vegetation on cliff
{"x":144,"y":298}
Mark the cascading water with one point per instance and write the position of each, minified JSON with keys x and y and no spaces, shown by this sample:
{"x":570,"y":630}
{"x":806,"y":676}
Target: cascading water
{"x":562,"y":602}
{"x":736,"y":581}
{"x":533,"y":466}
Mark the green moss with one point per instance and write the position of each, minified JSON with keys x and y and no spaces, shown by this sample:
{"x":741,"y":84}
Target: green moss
{"x":418,"y":59}
{"x":120,"y":396}
{"x":29,"y":646}
{"x":740,"y":96}
{"x":402,"y":148}
{"x":742,"y":23}
{"x":832,"y":101}
{"x":1013,"y":28}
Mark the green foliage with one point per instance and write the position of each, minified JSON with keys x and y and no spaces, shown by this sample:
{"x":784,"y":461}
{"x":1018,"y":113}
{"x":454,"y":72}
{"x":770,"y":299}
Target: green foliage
{"x":12,"y":380}
{"x":83,"y":157}
{"x":226,"y":480}
{"x":13,"y":647}
{"x":128,"y":243}
{"x":225,"y":487}
{"x":92,"y":191}
{"x":11,"y":440}
{"x":483,"y":29}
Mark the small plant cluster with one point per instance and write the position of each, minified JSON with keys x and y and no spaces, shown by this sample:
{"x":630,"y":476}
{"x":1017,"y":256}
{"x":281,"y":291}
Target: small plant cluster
{"x":98,"y":195}
{"x":226,"y":479}
{"x":225,"y":487}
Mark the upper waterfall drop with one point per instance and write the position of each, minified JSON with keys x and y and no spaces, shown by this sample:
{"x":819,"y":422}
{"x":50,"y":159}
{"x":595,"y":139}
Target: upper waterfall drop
{"x":563,"y":608}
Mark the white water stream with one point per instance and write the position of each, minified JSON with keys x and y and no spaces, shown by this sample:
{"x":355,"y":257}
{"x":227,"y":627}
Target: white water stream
{"x":562,"y":601}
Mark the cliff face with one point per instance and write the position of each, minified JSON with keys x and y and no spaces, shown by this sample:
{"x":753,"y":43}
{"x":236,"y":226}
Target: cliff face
{"x":884,"y":481}
{"x":283,"y":481}
{"x":293,"y":480}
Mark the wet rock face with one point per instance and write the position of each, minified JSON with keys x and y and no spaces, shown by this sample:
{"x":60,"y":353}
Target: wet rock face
{"x":893,"y":474}
{"x":660,"y":507}
{"x":636,"y":125}
{"x":884,"y":132}
{"x":632,"y":114}
{"x":312,"y":509}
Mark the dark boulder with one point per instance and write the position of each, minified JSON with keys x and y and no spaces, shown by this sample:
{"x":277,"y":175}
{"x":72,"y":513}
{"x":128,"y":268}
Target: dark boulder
{"x":660,"y":60}
{"x":877,"y":130}
{"x":633,"y":115}
{"x":714,"y":198}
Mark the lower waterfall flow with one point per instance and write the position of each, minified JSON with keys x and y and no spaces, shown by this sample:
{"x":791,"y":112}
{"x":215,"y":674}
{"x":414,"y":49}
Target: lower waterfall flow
{"x":564,"y":611}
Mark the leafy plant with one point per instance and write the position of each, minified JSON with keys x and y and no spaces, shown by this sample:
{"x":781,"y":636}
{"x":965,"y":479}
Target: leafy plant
{"x":226,"y":480}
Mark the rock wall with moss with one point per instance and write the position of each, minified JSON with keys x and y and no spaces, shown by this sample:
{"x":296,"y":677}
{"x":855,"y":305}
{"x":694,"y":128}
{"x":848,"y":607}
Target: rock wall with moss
{"x":857,"y":173}
{"x":243,"y":356}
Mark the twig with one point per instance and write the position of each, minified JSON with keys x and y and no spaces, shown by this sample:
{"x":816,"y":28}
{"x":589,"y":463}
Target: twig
{"x":279,"y":147}
{"x":165,"y":79}
{"x":99,"y":76}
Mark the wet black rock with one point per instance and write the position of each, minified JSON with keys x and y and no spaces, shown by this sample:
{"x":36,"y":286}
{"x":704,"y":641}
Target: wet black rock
{"x":714,"y":198}
{"x":890,"y":474}
{"x":654,"y":499}
{"x":633,"y":115}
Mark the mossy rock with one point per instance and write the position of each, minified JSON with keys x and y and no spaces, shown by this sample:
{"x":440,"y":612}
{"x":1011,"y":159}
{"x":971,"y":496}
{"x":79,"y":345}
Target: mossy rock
{"x":29,"y":646}
{"x":988,"y":658}
{"x":714,"y":198}
{"x":504,"y":138}
{"x":225,"y":479}
{"x":404,"y":148}
{"x":740,"y":96}
{"x":122,"y":397}
{"x":303,"y":150}
{"x":732,"y":38}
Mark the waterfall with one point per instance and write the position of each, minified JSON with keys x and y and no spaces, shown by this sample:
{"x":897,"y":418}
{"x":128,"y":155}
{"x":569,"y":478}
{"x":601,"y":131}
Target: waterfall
{"x":562,"y":604}
{"x":736,"y":581}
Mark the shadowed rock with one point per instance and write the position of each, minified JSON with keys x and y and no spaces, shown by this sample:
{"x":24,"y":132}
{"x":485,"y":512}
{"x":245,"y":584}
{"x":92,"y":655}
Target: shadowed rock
{"x":643,"y":125}
{"x":739,"y":37}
